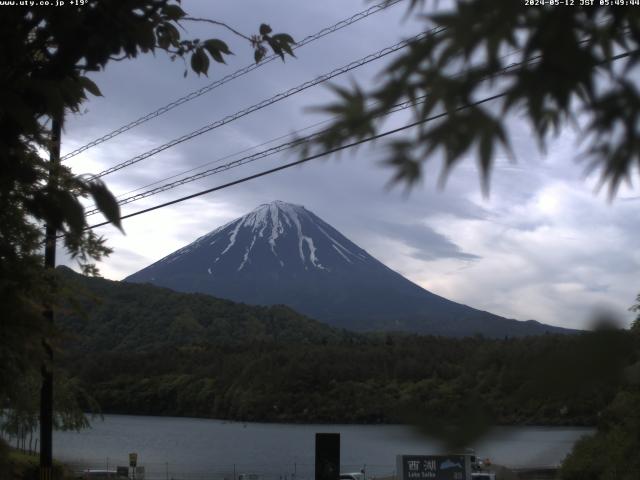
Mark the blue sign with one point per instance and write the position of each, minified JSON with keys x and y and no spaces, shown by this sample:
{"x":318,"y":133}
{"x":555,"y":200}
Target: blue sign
{"x":433,"y":467}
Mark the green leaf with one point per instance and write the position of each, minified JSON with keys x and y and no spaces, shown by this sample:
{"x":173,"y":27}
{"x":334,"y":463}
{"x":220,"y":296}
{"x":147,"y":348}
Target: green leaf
{"x":213,"y":47}
{"x":216,"y":55}
{"x":485,"y":149}
{"x":89,"y":86}
{"x":106,"y":202}
{"x":265,"y":29}
{"x":259,"y":53}
{"x":275,"y":47}
{"x":146,"y":37}
{"x":173,"y":33}
{"x":163,"y":39}
{"x":173,"y":12}
{"x":218,"y":45}
{"x":72,"y":211}
{"x":288,"y":49}
{"x":407,"y":169}
{"x":280,"y":43}
{"x":283,"y":38}
{"x":199,"y":61}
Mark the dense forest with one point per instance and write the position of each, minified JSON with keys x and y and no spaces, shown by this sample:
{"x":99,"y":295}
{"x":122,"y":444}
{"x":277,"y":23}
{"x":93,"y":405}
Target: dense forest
{"x":141,"y":349}
{"x":519,"y":381}
{"x":103,"y":315}
{"x":612,"y":453}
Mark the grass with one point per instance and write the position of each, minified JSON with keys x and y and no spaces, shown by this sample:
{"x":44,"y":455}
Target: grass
{"x":23,"y":466}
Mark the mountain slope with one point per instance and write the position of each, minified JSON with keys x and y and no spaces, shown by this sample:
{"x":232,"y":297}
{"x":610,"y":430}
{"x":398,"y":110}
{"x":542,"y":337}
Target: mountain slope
{"x":284,"y":254}
{"x":125,"y":317}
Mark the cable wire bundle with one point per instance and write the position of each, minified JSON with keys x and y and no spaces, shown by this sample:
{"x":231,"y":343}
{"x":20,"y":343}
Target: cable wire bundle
{"x":238,"y":73}
{"x":269,"y":101}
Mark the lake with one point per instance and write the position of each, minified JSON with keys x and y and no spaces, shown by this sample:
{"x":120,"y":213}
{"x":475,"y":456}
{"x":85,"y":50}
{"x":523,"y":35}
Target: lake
{"x":193,"y":448}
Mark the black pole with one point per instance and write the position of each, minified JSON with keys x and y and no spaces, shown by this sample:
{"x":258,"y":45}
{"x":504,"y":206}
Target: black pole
{"x":327,"y":456}
{"x":46,"y":392}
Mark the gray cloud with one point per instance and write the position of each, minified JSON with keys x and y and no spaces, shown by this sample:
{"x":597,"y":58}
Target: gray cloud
{"x":540,"y":246}
{"x":427,"y":244}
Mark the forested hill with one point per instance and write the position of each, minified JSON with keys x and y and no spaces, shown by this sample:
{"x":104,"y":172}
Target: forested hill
{"x":108,"y":315}
{"x":282,"y":253}
{"x":548,"y":380}
{"x":142,"y":349}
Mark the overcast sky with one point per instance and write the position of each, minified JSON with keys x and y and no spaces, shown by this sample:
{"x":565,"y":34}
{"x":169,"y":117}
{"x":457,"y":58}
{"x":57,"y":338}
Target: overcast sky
{"x":543,"y":245}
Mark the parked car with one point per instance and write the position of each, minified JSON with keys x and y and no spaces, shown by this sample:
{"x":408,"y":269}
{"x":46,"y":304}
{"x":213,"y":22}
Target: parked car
{"x":352,"y":476}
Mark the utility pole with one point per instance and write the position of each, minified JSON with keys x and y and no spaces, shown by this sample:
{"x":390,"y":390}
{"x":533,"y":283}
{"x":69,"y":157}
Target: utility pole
{"x":46,"y":392}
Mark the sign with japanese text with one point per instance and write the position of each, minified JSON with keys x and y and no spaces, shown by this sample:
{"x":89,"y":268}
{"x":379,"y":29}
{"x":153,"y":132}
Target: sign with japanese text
{"x":433,"y":467}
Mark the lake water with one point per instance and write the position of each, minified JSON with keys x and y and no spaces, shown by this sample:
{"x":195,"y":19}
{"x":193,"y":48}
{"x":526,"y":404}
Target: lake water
{"x":192,"y":448}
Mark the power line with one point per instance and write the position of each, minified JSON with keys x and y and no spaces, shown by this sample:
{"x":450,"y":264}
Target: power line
{"x":268,"y":152}
{"x":271,"y":151}
{"x":239,"y":162}
{"x":225,"y":157}
{"x":236,"y":163}
{"x":276,"y":98}
{"x":238,"y":73}
{"x":343,"y":147}
{"x":253,"y":147}
{"x":301,"y":161}
{"x":231,"y":155}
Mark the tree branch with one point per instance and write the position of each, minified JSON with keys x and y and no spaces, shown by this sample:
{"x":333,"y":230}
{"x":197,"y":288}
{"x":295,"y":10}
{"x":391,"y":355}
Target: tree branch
{"x":215,"y":22}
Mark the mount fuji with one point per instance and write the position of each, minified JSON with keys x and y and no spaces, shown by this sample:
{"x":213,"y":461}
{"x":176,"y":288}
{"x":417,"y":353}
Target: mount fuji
{"x":281,"y":253}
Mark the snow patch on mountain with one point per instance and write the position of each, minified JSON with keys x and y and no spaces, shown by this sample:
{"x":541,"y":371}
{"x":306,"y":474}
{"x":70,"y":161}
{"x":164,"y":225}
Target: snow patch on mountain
{"x":232,"y":237}
{"x":192,"y":246}
{"x":283,"y":254}
{"x":338,"y":246}
{"x":271,"y":228}
{"x":341,"y":254}
{"x":276,"y":219}
{"x":246,"y":253}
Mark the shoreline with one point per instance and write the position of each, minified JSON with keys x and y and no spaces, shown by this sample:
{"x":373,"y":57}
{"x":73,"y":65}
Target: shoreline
{"x":324,"y":423}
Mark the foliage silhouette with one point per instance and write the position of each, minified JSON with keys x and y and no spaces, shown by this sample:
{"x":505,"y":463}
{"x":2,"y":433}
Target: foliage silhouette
{"x":553,"y":67}
{"x":46,"y":55}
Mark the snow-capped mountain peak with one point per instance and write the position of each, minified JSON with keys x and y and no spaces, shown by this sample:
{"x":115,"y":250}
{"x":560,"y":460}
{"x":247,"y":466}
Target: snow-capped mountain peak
{"x":288,"y":233}
{"x":282,"y":253}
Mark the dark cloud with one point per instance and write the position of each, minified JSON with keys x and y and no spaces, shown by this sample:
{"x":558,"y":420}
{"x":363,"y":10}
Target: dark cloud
{"x":520,"y":256}
{"x":427,"y":244}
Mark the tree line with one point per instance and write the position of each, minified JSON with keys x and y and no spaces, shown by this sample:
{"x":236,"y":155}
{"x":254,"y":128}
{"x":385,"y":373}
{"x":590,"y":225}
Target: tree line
{"x":367,"y":379}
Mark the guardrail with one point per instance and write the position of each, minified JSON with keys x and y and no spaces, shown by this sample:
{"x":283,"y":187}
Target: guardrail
{"x":245,"y":471}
